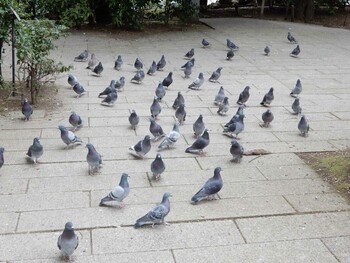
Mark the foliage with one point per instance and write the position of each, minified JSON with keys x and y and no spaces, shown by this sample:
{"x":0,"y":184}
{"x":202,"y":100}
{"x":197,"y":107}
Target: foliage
{"x":34,"y":42}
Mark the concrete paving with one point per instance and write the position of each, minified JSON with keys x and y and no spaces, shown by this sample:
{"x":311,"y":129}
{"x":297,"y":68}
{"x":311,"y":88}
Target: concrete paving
{"x":273,"y":208}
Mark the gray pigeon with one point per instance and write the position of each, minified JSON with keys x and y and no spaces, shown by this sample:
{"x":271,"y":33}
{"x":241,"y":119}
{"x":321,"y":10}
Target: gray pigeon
{"x":230,"y":54}
{"x":198,"y":126}
{"x":152,"y":69}
{"x":98,"y":69}
{"x":118,"y":63}
{"x":267,"y":118}
{"x":92,"y":62}
{"x":35,"y":151}
{"x":27,"y":109}
{"x":210,"y":188}
{"x":291,"y":39}
{"x":68,"y":242}
{"x":236,"y":116}
{"x":297,"y":89}
{"x":139,"y":76}
{"x":295,"y":52}
{"x":268,"y":98}
{"x":119,"y":193}
{"x":180,"y":114}
{"x":82,"y":56}
{"x":2,"y":150}
{"x":197,"y":83}
{"x":79,"y":90}
{"x":161,"y":63}
{"x":188,"y":70}
{"x":168,"y":80}
{"x":109,"y":89}
{"x":155,"y":108}
{"x":205,"y":43}
{"x":75,"y":120}
{"x":267,"y":50}
{"x":243,"y":96}
{"x":220,"y":96}
{"x":189,"y":54}
{"x":171,"y":138}
{"x":111,"y":98}
{"x":237,"y":151}
{"x":93,"y":158}
{"x":157,"y":167}
{"x":178,"y":101}
{"x":231,"y":45}
{"x":296,"y":106}
{"x":142,"y":147}
{"x":138,"y":64}
{"x":156,"y":130}
{"x":157,"y":214}
{"x":223,"y":107}
{"x":187,"y":63}
{"x":68,"y":137}
{"x":215,"y":75}
{"x":72,"y":80}
{"x":119,"y":84}
{"x":303,"y":126}
{"x":134,"y":119}
{"x":199,"y":144}
{"x":160,"y":91}
{"x":235,"y":127}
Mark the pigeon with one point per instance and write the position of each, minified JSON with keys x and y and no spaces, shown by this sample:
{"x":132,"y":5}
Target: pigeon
{"x":119,"y":193}
{"x":75,"y":120}
{"x":189,"y":54}
{"x":168,"y":80}
{"x":205,"y":43}
{"x":197,"y":83}
{"x":138,"y":64}
{"x":230,"y":54}
{"x":236,"y":116}
{"x":237,"y":151}
{"x":82,"y":56}
{"x":157,"y":214}
{"x":152,"y":69}
{"x":98,"y":69}
{"x":118,"y":63}
{"x":92,"y":62}
{"x":220,"y":96}
{"x":267,"y":51}
{"x":68,"y":241}
{"x":134,"y":119}
{"x":160,"y":91}
{"x":27,"y":109}
{"x":155,"y":108}
{"x":180,"y":114}
{"x":2,"y":150}
{"x":171,"y":138}
{"x":231,"y":45}
{"x":79,"y":90}
{"x":111,"y":98}
{"x":267,"y":118}
{"x":291,"y":39}
{"x":188,"y":70}
{"x":223,"y":107}
{"x":68,"y":137}
{"x":215,"y":75}
{"x":243,"y":96}
{"x":139,"y":76}
{"x":142,"y":147}
{"x":235,"y":127}
{"x":72,"y":80}
{"x":161,"y":63}
{"x":178,"y":101}
{"x":303,"y":126}
{"x":119,"y":84}
{"x":268,"y":98}
{"x":296,"y":106}
{"x":156,"y":130}
{"x":210,"y":188}
{"x":157,"y":167}
{"x":35,"y":151}
{"x":198,"y":126}
{"x":93,"y":158}
{"x":199,"y":144}
{"x":295,"y":52}
{"x":188,"y":62}
{"x":109,"y":89}
{"x":297,"y":89}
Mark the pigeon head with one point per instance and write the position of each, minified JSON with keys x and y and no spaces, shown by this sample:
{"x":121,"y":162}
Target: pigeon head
{"x":225,"y":100}
{"x":36,"y":140}
{"x":158,"y":156}
{"x":166,"y":195}
{"x":296,"y":100}
{"x":62,"y":128}
{"x":219,"y":69}
{"x":93,"y":55}
{"x":234,"y":142}
{"x":200,"y":75}
{"x":124,"y":178}
{"x":200,"y":117}
{"x":147,"y":138}
{"x":72,"y":112}
{"x":221,"y":89}
{"x":170,"y":74}
{"x":247,"y":88}
{"x":217,"y":171}
{"x":25,"y":100}
{"x":271,"y":90}
{"x":2,"y":149}
{"x":69,"y":226}
{"x":90,"y":146}
{"x":122,"y":79}
{"x":176,"y":126}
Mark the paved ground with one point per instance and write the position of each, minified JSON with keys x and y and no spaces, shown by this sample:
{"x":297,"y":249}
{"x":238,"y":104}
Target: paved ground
{"x":271,"y":209}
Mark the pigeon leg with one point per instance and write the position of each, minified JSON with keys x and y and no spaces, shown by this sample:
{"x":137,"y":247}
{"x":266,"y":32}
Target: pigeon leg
{"x":121,"y":205}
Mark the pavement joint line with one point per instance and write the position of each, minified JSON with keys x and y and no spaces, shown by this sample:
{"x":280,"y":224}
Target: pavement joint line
{"x":296,"y":210}
{"x":329,"y":250}
{"x":240,"y":232}
{"x":173,"y":255}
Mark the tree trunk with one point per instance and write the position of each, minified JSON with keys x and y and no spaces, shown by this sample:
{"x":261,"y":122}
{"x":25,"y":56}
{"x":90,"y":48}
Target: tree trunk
{"x":1,"y":45}
{"x":305,"y":10}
